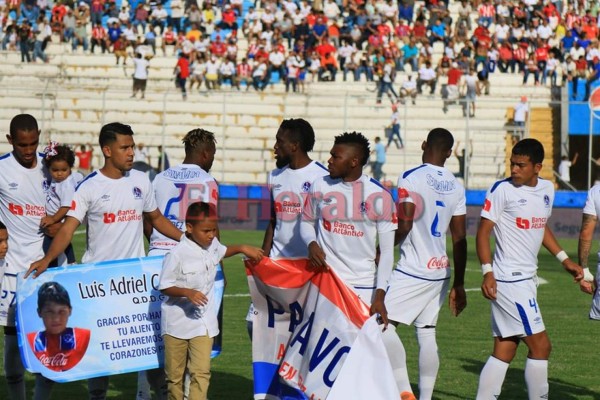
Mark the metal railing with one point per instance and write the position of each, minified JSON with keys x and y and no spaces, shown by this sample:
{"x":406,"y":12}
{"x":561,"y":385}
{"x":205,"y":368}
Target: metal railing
{"x":483,"y":137}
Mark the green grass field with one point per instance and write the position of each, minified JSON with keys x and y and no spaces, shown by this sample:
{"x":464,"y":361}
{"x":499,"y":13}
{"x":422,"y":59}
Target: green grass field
{"x":464,"y":342}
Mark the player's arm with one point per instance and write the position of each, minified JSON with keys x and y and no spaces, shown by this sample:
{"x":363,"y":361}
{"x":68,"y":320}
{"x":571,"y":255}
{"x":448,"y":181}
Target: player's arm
{"x":195,"y":296}
{"x":147,"y":227}
{"x":268,"y":238}
{"x":406,"y":215}
{"x":52,"y":219}
{"x":316,"y":255}
{"x":163,"y":225}
{"x":254,"y":253}
{"x":551,"y":244}
{"x":59,"y":244}
{"x":586,"y":235}
{"x":458,"y":296}
{"x":384,"y":271}
{"x":484,"y":253}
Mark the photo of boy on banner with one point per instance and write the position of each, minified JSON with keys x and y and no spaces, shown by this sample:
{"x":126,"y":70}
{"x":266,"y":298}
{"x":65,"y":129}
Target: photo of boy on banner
{"x":58,"y":347}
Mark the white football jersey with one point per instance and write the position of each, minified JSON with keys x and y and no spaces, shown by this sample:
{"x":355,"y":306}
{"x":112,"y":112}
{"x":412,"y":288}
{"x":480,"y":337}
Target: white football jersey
{"x":520,"y":214}
{"x":22,"y":206}
{"x":438,"y":196}
{"x":60,"y":194}
{"x":349,"y":216}
{"x":289,"y":188}
{"x":114,"y":210}
{"x":592,"y":203}
{"x":174,"y":190}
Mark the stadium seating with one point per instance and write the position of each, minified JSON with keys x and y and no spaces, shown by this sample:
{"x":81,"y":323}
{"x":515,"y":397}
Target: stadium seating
{"x":75,"y":93}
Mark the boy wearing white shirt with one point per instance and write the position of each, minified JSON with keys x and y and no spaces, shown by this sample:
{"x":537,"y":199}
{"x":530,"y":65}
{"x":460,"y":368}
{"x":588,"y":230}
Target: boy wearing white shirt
{"x":188,"y":320}
{"x":517,"y":209}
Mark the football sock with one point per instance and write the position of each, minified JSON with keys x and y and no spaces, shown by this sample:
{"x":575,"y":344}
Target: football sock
{"x":429,"y":362}
{"x":397,"y":356}
{"x":13,"y":368}
{"x":491,"y":379}
{"x":536,"y":377}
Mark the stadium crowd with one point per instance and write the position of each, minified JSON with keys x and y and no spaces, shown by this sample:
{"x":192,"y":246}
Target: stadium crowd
{"x":299,"y":41}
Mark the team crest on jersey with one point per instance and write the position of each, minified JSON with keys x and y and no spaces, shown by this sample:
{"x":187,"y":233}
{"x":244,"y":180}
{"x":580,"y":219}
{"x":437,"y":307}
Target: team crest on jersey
{"x":364,"y":207}
{"x":306,"y":186}
{"x":137,"y":193}
{"x":46,"y":185}
{"x":546,"y":201}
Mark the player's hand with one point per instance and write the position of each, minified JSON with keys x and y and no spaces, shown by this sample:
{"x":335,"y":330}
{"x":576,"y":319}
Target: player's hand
{"x":457,"y":300}
{"x":575,"y":270}
{"x":254,"y":253}
{"x":316,"y":256}
{"x":37,"y":268}
{"x":197,"y":297}
{"x":586,"y":287}
{"x":46,"y":221}
{"x":488,"y":287}
{"x":52,"y":229}
{"x":378,"y":307}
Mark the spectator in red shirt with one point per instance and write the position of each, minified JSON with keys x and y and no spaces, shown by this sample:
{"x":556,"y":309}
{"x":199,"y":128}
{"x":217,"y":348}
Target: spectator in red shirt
{"x":520,"y":55}
{"x":99,"y":38}
{"x":218,"y":47}
{"x":505,"y":60}
{"x":182,"y":72}
{"x":452,"y":91}
{"x":541,"y":57}
{"x":580,"y":73}
{"x":84,"y":157}
{"x":328,"y":63}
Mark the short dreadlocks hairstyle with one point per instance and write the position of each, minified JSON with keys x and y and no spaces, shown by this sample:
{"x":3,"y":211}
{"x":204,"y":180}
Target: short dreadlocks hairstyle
{"x":357,"y":140}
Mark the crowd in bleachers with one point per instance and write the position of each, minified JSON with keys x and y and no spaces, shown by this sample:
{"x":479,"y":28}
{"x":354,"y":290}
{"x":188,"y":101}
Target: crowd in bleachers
{"x":295,"y":41}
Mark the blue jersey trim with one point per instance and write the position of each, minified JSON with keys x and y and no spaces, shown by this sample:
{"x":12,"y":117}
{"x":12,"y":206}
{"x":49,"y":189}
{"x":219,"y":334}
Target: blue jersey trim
{"x":363,"y":287}
{"x":321,"y":165}
{"x":377,"y":183}
{"x":3,"y":156}
{"x":420,"y":277}
{"x":86,"y":178}
{"x":518,"y":280}
{"x":495,"y":185}
{"x":410,"y":171}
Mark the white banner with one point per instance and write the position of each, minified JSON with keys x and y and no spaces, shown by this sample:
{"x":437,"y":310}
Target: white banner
{"x":304,"y":327}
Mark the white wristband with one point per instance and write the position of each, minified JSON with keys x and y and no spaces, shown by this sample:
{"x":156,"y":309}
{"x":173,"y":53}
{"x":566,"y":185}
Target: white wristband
{"x":485,"y":268}
{"x":561,"y":256}
{"x":587,"y":275}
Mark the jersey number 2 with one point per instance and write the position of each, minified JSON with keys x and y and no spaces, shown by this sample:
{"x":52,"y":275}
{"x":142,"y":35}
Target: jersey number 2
{"x":434,"y":224}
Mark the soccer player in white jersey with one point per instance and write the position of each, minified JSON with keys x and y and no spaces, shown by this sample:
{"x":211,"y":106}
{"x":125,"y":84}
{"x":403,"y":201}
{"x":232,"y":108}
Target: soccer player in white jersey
{"x":22,"y":206}
{"x":114,"y":200}
{"x":179,"y":186}
{"x":289,"y":184}
{"x":430,"y":200}
{"x":174,"y":190}
{"x":517,"y":209}
{"x":586,"y":235}
{"x":345,"y":215}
